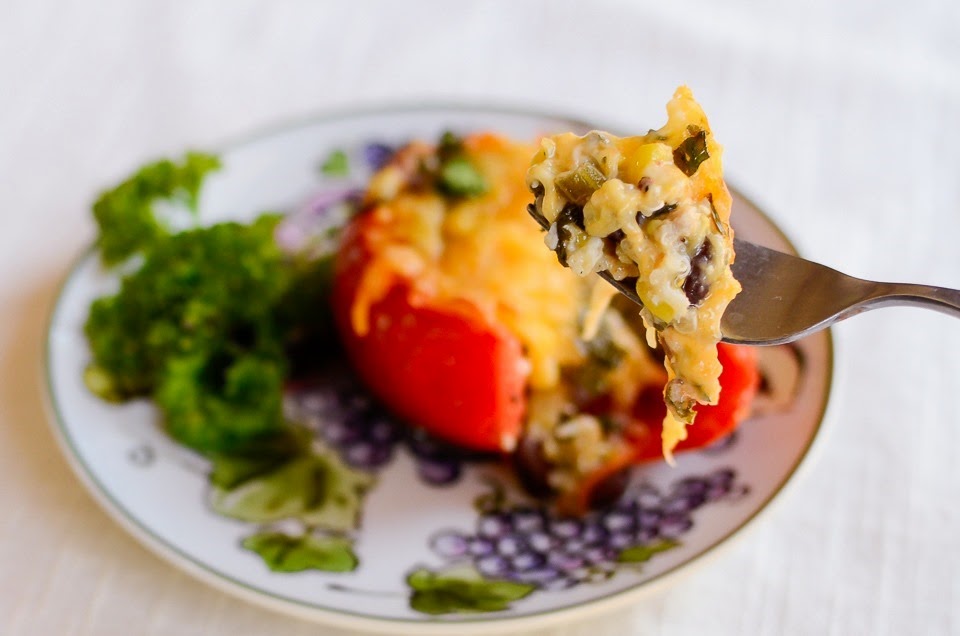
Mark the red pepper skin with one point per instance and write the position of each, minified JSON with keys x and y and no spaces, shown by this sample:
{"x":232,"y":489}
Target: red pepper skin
{"x":738,"y":381}
{"x":444,"y":366}
{"x":441,"y":365}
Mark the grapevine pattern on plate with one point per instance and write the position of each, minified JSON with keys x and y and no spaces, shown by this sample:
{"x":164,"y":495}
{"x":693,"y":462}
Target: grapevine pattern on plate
{"x":514,"y":549}
{"x":305,"y":502}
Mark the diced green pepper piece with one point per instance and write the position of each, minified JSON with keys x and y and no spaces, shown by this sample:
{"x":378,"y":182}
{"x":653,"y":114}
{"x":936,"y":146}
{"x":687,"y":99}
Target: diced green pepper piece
{"x":579,"y":184}
{"x":677,"y":400}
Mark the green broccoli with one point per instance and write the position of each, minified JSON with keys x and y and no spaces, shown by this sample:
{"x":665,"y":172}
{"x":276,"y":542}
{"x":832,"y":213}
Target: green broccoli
{"x":126,"y":216}
{"x":215,"y":402}
{"x":196,"y":328}
{"x":210,"y":322}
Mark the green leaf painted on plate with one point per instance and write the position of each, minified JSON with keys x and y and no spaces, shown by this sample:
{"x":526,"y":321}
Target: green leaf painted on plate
{"x":342,"y":501}
{"x":285,"y":492}
{"x":284,"y":553}
{"x":230,"y":470}
{"x":336,"y":164}
{"x":320,"y":490}
{"x":462,"y":590}
{"x":643,"y":553}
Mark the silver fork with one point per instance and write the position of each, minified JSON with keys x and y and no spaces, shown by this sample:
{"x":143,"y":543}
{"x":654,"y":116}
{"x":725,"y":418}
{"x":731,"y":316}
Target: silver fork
{"x":785,"y":297}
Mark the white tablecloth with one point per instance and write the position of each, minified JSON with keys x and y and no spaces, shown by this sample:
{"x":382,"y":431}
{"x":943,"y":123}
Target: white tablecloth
{"x":841,"y":118}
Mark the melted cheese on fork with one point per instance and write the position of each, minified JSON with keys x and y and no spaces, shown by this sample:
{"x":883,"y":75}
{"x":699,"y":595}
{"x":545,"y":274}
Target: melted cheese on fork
{"x":653,"y":208}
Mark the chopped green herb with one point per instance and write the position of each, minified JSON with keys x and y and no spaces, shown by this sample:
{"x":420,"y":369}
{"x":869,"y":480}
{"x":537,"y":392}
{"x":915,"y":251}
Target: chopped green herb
{"x":451,"y":171}
{"x":716,"y":217}
{"x":450,"y":146}
{"x":666,"y":208}
{"x":336,"y":164}
{"x":691,"y":152}
{"x":459,"y":177}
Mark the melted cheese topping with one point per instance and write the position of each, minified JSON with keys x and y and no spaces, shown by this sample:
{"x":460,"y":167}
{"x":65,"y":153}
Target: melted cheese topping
{"x":654,"y":208}
{"x":485,"y":252}
{"x":479,"y":250}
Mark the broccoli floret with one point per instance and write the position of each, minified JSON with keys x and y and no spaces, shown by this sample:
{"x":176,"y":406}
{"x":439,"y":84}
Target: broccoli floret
{"x":126,"y":216}
{"x":205,"y":321}
{"x":196,"y":326}
{"x":195,"y":291}
{"x":216,"y":402}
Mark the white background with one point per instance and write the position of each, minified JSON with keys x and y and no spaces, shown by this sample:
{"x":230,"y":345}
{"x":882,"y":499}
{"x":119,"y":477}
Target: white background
{"x":842,"y":119}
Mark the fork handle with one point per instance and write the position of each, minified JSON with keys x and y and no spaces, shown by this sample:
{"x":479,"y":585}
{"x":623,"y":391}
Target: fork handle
{"x":940,"y":299}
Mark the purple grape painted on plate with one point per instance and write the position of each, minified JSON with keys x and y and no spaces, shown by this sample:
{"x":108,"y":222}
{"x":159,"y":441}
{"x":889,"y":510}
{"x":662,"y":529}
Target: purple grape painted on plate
{"x":347,"y":418}
{"x":532,"y":545}
{"x":377,"y":155}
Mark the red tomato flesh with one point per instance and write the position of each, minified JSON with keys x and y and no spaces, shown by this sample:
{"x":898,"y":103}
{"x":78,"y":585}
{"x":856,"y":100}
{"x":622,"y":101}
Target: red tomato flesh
{"x":439,"y":364}
{"x":738,"y":381}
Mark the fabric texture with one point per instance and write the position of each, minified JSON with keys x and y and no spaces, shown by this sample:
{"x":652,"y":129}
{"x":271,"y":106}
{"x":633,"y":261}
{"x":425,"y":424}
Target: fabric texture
{"x":839,"y":118}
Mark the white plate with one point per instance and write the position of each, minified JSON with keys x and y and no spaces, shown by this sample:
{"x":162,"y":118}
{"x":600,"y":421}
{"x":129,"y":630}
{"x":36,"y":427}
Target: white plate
{"x":161,"y":493}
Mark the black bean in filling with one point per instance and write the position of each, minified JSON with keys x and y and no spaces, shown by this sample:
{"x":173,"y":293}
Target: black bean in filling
{"x":532,"y":467}
{"x":609,"y":489}
{"x":571,"y":214}
{"x":611,"y":242}
{"x":695,"y":286}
